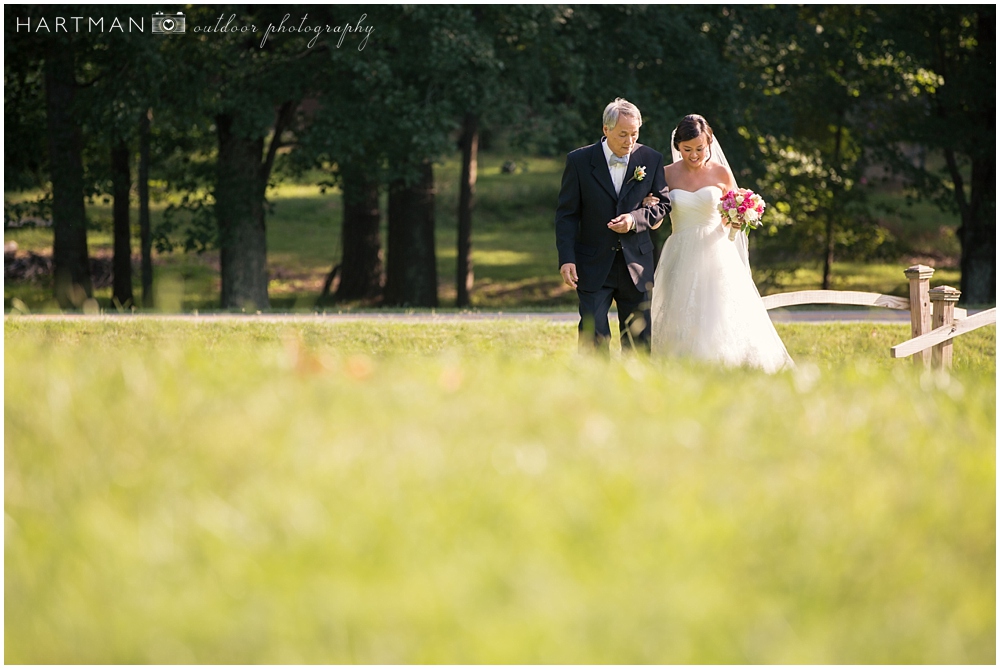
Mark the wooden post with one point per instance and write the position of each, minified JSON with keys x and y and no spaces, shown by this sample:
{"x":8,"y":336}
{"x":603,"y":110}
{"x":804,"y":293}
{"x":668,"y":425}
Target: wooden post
{"x":944,"y":299}
{"x":920,"y":307}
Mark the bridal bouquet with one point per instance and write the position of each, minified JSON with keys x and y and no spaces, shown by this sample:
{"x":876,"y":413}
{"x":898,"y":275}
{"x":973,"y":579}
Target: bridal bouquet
{"x":742,"y":210}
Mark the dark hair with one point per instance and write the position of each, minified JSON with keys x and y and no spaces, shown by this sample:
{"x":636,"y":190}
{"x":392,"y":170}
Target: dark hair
{"x":691,"y":127}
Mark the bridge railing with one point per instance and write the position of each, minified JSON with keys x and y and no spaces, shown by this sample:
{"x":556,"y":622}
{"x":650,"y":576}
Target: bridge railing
{"x":928,"y":308}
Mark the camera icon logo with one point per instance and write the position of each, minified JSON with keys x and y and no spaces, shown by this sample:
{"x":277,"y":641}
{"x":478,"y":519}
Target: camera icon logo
{"x":168,"y":24}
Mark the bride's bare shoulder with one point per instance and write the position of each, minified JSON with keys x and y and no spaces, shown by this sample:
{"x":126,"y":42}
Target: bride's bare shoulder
{"x":718,"y":170}
{"x":722,"y":175}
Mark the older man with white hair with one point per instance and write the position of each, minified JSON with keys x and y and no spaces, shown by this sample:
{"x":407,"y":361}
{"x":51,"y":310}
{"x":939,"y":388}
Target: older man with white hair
{"x":602,"y":228}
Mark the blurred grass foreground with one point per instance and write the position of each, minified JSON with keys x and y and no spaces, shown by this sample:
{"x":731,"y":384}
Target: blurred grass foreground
{"x":479,"y":493}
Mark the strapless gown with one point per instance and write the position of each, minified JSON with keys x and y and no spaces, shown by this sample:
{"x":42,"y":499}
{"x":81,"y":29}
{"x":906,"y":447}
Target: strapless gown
{"x":705,"y":304}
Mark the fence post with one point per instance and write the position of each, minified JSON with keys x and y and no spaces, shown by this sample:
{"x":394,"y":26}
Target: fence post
{"x":944,"y":299}
{"x":920,"y":307}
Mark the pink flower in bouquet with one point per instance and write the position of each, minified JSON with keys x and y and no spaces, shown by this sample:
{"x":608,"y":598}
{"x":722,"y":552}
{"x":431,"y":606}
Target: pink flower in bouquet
{"x":741,"y":211}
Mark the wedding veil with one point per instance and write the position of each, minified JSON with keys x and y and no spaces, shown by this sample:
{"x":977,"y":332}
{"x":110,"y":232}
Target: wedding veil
{"x":718,"y":156}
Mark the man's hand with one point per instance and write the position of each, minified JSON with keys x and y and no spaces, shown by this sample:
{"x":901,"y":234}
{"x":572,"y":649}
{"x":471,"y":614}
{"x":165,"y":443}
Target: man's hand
{"x":569,"y":276}
{"x":622,"y":224}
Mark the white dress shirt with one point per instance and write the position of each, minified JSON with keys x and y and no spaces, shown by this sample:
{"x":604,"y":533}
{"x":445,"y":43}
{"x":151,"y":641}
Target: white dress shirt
{"x":618,"y":171}
{"x":617,"y":174}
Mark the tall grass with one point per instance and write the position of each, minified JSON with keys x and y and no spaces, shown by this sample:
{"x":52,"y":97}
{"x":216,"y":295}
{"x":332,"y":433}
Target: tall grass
{"x":293,"y":493}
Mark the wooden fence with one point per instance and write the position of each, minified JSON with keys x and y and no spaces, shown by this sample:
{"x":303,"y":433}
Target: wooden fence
{"x":929,"y":347}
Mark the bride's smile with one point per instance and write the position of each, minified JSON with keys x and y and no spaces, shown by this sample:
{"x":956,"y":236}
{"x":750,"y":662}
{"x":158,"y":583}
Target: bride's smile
{"x":695,"y":152}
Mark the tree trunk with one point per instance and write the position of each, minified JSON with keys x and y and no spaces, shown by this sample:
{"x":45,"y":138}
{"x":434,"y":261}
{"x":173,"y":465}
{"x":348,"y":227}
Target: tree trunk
{"x":71,"y":265}
{"x":121,"y":262}
{"x":145,"y":234}
{"x":828,"y":255}
{"x":361,"y":266}
{"x":978,"y":236}
{"x":464,"y":276}
{"x":978,"y":232}
{"x":239,"y":210}
{"x":832,"y":214}
{"x":411,"y":275}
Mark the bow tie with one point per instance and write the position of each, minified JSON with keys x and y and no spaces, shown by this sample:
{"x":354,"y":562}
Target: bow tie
{"x":615,"y":160}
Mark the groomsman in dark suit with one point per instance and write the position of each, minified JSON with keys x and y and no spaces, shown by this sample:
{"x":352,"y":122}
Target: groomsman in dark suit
{"x":602,"y":229}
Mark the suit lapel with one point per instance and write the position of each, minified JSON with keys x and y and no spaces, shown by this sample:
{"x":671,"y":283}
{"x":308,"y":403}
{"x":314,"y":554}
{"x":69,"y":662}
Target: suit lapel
{"x":601,"y":171}
{"x":633,"y":162}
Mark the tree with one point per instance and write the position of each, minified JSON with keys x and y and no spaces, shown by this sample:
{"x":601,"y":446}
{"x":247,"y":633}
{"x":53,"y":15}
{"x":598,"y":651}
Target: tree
{"x":493,"y":75}
{"x":811,"y":62}
{"x":114,"y":75}
{"x":340,"y":133}
{"x":361,"y":266}
{"x":411,"y":257}
{"x":938,"y":64}
{"x":249,"y":93}
{"x":464,"y":274}
{"x":71,"y":264}
{"x":125,"y":73}
{"x":477,"y":66}
{"x":418,"y":120}
{"x":418,"y":50}
{"x":145,"y":232}
{"x":122,"y":259}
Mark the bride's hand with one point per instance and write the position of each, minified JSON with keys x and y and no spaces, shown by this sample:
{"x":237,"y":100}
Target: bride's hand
{"x":649,"y":201}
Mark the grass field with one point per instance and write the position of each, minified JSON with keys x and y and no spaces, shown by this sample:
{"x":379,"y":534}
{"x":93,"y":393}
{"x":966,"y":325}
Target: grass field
{"x":513,"y":246}
{"x":479,"y":493}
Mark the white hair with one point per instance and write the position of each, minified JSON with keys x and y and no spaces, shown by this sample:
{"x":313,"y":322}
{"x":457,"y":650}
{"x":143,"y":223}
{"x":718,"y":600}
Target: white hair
{"x":620,"y":107}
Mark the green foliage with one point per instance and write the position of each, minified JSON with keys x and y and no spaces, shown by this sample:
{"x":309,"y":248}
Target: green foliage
{"x":812,"y":163}
{"x":804,"y":191}
{"x":933,"y":63}
{"x":938,"y":58}
{"x":474,"y":493}
{"x":19,"y":211}
{"x":25,"y":149}
{"x":193,"y":221}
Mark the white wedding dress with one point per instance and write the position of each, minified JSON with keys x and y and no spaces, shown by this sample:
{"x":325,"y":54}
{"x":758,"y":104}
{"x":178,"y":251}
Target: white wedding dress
{"x":705,"y":304}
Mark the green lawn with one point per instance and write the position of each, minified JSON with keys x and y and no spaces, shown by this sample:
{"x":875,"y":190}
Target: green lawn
{"x":253,"y":492}
{"x":514,"y":253}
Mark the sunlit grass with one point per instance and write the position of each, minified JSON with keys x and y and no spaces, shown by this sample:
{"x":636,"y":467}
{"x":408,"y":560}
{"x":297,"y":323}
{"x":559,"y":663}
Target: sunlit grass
{"x":479,"y":493}
{"x":885,"y":278}
{"x":287,"y":190}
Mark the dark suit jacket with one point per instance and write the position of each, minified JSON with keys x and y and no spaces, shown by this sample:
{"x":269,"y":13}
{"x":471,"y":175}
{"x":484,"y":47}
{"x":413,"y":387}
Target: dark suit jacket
{"x":587,"y":203}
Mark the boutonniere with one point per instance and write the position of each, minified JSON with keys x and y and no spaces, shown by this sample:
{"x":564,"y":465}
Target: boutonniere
{"x":640,"y":173}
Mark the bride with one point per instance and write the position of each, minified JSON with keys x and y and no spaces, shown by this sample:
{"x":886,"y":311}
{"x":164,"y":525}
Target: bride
{"x":705,"y":304}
